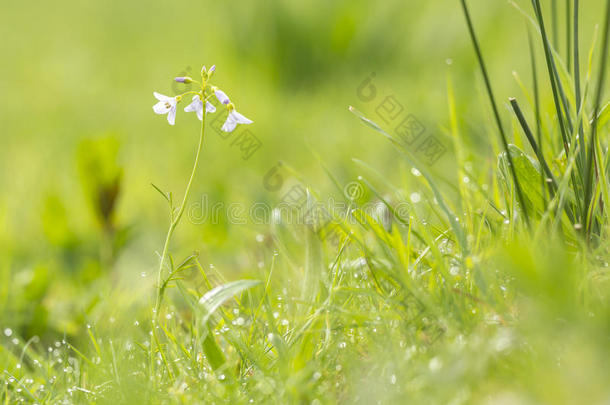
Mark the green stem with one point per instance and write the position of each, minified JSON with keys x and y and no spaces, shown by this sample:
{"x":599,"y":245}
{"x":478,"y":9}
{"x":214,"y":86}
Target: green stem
{"x":178,"y":217}
{"x":174,"y":223}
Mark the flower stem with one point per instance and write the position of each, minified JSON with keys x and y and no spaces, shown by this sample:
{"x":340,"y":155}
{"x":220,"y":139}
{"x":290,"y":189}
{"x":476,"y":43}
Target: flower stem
{"x":175,"y":220}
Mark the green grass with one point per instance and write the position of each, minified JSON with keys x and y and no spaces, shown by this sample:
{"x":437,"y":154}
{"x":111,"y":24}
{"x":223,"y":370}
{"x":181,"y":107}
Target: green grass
{"x":484,"y":283}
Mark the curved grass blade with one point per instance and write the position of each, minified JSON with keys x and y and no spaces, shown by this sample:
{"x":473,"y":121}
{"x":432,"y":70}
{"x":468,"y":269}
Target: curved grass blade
{"x":217,"y":296}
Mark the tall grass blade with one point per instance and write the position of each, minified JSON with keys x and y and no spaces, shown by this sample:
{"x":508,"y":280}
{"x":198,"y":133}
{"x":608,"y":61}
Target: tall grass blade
{"x":537,"y":117}
{"x":591,"y":163}
{"x":558,"y":94}
{"x":569,"y":36}
{"x":494,"y":106}
{"x":577,"y":87}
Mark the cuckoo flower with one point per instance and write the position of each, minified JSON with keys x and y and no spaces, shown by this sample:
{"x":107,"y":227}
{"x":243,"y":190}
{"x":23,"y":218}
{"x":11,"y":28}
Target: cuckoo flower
{"x":166,"y":105}
{"x":233,"y":119}
{"x":197,"y":106}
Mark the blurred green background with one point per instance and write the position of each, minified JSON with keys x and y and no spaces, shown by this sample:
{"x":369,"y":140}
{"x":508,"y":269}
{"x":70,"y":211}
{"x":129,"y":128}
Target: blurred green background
{"x":80,"y":145}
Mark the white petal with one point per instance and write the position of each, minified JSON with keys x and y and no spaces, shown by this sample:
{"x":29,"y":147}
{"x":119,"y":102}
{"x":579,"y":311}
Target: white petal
{"x":229,"y":124}
{"x":209,"y":107}
{"x":200,"y":114}
{"x":171,"y":117}
{"x":196,"y":105}
{"x":161,"y":97}
{"x":239,"y":118}
{"x":161,"y":107}
{"x":222,"y":97}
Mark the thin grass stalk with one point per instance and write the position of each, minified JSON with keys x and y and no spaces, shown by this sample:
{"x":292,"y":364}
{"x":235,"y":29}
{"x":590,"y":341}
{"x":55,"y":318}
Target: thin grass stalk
{"x":537,"y":117}
{"x":591,"y":160}
{"x":557,"y":89}
{"x":548,"y":55}
{"x":577,"y":89}
{"x":554,"y":20}
{"x":569,"y":36}
{"x":553,"y":67}
{"x":494,"y":106}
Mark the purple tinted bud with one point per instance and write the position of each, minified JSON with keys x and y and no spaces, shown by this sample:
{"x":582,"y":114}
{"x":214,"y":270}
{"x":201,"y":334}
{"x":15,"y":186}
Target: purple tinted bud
{"x":221,"y":96}
{"x":183,"y":79}
{"x":212,"y":69}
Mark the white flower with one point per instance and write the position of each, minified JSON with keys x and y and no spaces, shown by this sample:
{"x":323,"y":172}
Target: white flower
{"x":197,"y":106}
{"x":166,"y":105}
{"x":233,"y":119}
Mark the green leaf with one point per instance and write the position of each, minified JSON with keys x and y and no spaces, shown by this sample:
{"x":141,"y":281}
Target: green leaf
{"x":528,"y":171}
{"x":213,"y":352}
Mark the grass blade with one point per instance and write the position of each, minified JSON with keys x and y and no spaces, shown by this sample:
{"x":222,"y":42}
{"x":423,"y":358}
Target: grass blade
{"x":596,"y":107}
{"x":217,"y":296}
{"x":494,"y":106}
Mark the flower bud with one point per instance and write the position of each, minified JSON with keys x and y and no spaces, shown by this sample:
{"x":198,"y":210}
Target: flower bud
{"x":183,"y":79}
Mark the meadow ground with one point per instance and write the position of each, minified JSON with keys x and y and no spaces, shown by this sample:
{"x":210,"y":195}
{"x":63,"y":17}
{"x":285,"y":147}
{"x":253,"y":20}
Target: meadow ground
{"x":417,"y":213}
